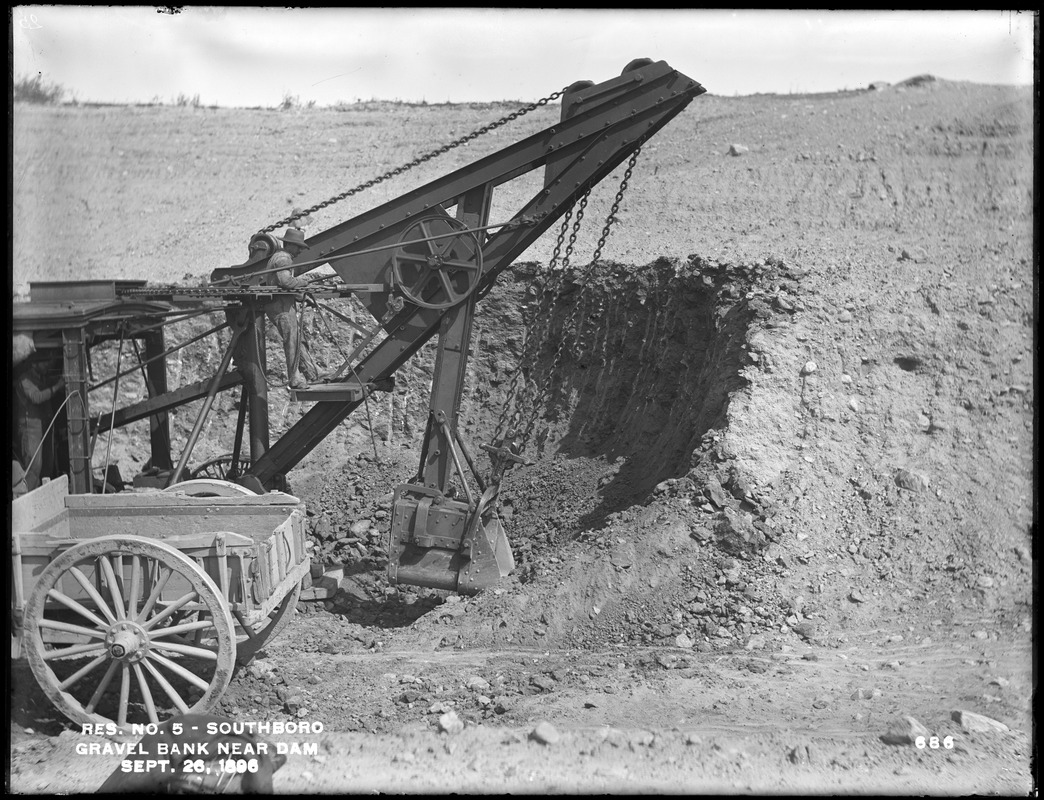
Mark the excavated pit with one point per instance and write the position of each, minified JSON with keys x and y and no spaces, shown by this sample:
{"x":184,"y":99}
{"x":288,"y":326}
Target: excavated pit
{"x":650,"y":359}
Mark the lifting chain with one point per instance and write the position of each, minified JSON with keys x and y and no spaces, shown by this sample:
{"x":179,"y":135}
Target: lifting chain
{"x":526,"y":393}
{"x":418,"y":161}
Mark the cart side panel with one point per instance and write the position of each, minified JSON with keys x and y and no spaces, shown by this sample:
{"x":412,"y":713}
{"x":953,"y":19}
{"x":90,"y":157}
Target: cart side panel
{"x":42,"y":509}
{"x":164,"y":516}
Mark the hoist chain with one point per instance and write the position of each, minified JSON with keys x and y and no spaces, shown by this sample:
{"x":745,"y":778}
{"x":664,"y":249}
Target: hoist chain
{"x":526,"y":393}
{"x":418,"y":161}
{"x":536,"y":326}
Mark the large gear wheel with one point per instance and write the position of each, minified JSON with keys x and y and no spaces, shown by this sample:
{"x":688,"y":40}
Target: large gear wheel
{"x":437,"y":272}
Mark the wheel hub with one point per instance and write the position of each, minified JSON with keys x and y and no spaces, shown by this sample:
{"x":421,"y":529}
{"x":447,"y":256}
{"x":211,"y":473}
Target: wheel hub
{"x":127,"y":642}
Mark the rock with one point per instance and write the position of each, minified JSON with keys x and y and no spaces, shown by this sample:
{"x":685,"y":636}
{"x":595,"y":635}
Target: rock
{"x":477,"y":684}
{"x":809,"y":368}
{"x":977,"y":723}
{"x":1022,"y":552}
{"x":856,"y":596}
{"x":360,"y":527}
{"x":543,"y":682}
{"x":450,"y":723}
{"x":913,"y":481}
{"x":904,"y":731}
{"x":806,"y":630}
{"x":683,"y":641}
{"x":738,"y":149}
{"x":756,"y":642}
{"x":984,"y":582}
{"x":261,"y":670}
{"x":715,"y":493}
{"x":845,"y":316}
{"x":980,"y":635}
{"x":545,"y":733}
{"x":821,"y":702}
{"x":914,"y":254}
{"x":700,"y":533}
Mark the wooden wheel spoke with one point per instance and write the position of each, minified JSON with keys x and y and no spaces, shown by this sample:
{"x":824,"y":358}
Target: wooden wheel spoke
{"x":68,"y":627}
{"x":135,"y":587}
{"x":184,"y":600}
{"x":146,"y":694}
{"x":180,"y":671}
{"x":102,"y":686}
{"x":83,"y":671}
{"x":187,"y":649}
{"x":89,"y":649}
{"x":121,"y":718}
{"x":157,"y":590}
{"x":114,"y":589}
{"x":184,"y":626}
{"x":93,"y":593}
{"x":171,"y":692}
{"x":73,"y":605}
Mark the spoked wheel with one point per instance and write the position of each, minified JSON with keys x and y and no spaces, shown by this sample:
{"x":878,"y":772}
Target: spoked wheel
{"x":251,"y":638}
{"x":223,"y":467}
{"x":437,"y":272}
{"x":128,"y":630}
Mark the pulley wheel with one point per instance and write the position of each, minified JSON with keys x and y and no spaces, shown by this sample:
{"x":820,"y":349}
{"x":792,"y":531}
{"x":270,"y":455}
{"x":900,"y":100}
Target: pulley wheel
{"x":437,"y":272}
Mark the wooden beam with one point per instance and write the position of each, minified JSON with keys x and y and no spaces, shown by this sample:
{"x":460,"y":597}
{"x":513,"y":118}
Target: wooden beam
{"x":165,"y":402}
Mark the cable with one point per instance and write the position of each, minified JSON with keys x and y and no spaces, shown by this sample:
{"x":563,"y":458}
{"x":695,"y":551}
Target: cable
{"x":68,"y":397}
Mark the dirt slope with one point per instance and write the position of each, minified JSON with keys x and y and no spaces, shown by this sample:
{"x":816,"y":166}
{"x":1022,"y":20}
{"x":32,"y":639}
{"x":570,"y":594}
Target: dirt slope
{"x":783,"y":492}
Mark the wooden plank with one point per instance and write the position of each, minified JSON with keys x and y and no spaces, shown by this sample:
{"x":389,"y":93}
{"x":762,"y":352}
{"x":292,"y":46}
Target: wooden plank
{"x":45,"y":505}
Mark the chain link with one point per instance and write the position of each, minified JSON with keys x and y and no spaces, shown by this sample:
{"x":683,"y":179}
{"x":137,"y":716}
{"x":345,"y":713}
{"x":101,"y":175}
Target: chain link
{"x":521,"y":112}
{"x":536,"y":326}
{"x":527,"y":394}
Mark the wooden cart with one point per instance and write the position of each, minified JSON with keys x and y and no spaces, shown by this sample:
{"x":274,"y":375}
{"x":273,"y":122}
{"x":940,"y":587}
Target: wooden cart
{"x":132,"y":608}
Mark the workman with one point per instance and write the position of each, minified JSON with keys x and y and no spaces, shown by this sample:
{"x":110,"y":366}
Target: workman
{"x":283,"y":310}
{"x":32,"y":416}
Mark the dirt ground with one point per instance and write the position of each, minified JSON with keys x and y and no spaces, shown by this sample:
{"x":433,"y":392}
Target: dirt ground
{"x":783,"y":491}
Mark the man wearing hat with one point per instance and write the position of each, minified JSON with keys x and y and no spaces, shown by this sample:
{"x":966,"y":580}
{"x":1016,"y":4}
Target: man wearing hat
{"x":283,"y":310}
{"x":33,"y":393}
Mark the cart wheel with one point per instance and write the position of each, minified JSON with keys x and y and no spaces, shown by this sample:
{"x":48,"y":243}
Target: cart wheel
{"x":222,"y":467}
{"x":249,"y":640}
{"x":128,"y":630}
{"x":209,"y":487}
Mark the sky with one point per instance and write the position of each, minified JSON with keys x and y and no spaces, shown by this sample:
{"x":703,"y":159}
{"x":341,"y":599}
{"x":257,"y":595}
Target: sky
{"x":257,"y":56}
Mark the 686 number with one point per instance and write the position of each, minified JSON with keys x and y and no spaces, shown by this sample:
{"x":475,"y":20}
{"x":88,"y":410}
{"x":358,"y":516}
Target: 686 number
{"x":934,"y":742}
